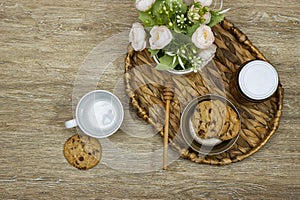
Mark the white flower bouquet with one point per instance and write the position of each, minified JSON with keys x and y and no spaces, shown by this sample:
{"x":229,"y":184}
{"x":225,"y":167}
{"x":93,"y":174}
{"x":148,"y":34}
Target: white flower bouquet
{"x":177,"y":33}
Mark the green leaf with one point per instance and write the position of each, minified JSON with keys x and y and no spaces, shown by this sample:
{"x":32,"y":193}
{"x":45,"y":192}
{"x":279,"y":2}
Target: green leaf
{"x":181,"y":39}
{"x":157,"y":11}
{"x":166,"y":62}
{"x":153,"y":52}
{"x":183,"y":7}
{"x":162,"y":67}
{"x":215,"y":18}
{"x":146,"y":19}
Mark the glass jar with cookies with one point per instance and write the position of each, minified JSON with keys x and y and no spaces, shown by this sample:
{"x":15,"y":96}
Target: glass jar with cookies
{"x":210,"y":124}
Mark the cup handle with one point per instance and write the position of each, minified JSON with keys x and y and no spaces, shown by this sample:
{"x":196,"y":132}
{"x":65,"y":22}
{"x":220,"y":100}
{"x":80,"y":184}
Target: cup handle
{"x":71,"y":123}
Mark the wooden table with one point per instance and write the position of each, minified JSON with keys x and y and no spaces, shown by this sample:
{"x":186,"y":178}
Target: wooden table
{"x":43,"y":47}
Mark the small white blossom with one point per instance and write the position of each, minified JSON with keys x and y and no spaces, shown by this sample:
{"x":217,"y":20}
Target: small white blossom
{"x":161,"y":36}
{"x":137,"y":37}
{"x":193,"y":14}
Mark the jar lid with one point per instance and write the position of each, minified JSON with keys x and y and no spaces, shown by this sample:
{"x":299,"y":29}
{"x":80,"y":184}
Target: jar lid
{"x":258,"y":80}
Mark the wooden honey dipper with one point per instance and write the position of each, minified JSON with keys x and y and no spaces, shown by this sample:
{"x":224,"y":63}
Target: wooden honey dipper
{"x":168,"y":95}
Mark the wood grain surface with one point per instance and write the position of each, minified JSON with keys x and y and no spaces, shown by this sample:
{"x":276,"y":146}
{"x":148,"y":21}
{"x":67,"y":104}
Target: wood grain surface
{"x":44,"y":46}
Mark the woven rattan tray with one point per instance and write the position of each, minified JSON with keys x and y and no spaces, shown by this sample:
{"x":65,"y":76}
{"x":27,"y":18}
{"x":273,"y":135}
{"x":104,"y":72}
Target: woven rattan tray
{"x":144,"y":86}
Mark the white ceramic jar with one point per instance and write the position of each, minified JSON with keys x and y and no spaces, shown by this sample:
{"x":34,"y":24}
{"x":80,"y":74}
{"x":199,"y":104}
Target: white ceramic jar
{"x":255,"y":82}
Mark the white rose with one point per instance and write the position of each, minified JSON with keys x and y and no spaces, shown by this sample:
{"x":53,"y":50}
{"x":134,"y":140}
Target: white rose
{"x":161,"y":36}
{"x":137,"y":37}
{"x":144,"y":5}
{"x":203,"y":37}
{"x":204,"y":2}
{"x":208,"y":53}
{"x":207,"y":17}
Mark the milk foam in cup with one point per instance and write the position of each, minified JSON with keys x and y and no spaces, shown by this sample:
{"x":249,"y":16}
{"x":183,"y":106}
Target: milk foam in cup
{"x":98,"y":114}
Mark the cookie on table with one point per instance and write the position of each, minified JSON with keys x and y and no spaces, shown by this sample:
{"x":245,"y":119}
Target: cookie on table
{"x":82,"y":152}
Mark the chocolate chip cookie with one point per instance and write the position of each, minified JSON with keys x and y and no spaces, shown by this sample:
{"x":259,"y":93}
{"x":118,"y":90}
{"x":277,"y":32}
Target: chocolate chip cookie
{"x":231,"y":126}
{"x":82,"y":152}
{"x":215,"y":119}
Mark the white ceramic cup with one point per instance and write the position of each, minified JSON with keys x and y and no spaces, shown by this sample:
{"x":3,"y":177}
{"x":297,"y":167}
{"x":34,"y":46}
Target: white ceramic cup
{"x":98,"y":114}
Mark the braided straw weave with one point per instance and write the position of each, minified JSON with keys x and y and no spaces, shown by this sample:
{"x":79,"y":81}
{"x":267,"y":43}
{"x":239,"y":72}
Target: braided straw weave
{"x":145,"y":85}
